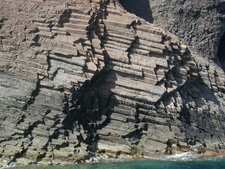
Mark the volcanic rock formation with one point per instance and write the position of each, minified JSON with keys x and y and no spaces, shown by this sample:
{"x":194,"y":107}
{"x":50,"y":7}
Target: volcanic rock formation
{"x":200,"y":24}
{"x":87,"y":78}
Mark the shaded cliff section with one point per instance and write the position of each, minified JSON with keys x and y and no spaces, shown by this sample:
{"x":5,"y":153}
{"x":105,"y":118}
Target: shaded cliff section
{"x":141,"y":8}
{"x":198,"y":24}
{"x":83,"y":79}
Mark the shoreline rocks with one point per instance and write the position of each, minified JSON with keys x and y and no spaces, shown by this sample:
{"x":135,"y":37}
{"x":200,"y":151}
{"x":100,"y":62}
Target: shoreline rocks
{"x":103,"y":158}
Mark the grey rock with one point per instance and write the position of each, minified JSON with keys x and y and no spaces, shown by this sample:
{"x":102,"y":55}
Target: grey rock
{"x":112,"y":84}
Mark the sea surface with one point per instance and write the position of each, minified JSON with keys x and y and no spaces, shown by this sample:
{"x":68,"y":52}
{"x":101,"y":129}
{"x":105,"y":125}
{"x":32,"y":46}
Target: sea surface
{"x":212,"y":163}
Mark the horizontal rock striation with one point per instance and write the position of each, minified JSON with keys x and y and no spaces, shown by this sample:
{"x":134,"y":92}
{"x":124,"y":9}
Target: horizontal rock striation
{"x":200,"y":24}
{"x":86,"y":78}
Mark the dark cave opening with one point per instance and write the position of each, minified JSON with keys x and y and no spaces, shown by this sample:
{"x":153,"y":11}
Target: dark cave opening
{"x":221,"y":51}
{"x":141,"y":8}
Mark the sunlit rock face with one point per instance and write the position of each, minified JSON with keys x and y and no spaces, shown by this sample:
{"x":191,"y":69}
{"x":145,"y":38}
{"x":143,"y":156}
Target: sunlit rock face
{"x":87,"y":78}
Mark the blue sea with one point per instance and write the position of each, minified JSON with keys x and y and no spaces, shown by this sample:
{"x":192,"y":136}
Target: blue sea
{"x":213,"y":163}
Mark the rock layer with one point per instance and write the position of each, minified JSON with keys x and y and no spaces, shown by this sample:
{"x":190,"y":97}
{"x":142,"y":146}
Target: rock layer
{"x":81,"y":78}
{"x":200,"y":24}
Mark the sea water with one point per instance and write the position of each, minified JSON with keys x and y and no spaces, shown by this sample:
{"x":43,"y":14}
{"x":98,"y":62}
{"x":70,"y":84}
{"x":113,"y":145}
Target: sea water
{"x":212,"y":163}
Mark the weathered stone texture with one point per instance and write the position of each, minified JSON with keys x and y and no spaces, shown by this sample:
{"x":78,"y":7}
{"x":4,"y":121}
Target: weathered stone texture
{"x":199,"y":24}
{"x":80,"y":78}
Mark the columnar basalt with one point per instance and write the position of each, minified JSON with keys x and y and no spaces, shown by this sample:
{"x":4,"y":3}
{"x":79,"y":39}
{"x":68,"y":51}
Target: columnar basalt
{"x":200,"y":24}
{"x":87,"y":78}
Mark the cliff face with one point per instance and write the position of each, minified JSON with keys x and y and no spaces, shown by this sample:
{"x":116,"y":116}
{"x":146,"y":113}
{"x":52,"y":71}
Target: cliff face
{"x":81,"y":79}
{"x":200,"y":24}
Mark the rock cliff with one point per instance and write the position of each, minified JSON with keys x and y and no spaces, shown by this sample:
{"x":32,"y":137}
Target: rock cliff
{"x":86,"y":78}
{"x":200,"y":24}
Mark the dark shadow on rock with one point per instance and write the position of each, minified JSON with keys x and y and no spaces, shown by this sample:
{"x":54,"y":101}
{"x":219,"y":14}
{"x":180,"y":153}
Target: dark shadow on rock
{"x":141,"y":8}
{"x":221,"y":52}
{"x":90,"y":107}
{"x":197,"y":121}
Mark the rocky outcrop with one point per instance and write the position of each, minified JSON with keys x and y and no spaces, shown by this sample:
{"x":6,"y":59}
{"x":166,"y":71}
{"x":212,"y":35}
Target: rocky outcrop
{"x":198,"y":24}
{"x":81,"y":79}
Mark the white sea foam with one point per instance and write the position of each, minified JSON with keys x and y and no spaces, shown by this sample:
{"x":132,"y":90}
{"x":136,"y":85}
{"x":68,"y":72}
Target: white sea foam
{"x":103,"y":158}
{"x":182,"y":156}
{"x":8,"y":166}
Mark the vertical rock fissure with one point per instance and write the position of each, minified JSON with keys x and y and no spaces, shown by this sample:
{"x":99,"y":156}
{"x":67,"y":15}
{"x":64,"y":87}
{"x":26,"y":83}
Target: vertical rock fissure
{"x":133,"y":44}
{"x":34,"y":94}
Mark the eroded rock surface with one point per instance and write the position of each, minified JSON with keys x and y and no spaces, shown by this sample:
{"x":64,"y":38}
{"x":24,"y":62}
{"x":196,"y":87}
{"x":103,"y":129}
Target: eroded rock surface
{"x":86,"y":78}
{"x":199,"y":24}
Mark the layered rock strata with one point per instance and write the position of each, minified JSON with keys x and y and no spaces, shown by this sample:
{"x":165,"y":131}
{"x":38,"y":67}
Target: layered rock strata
{"x":86,"y":78}
{"x":200,"y":24}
